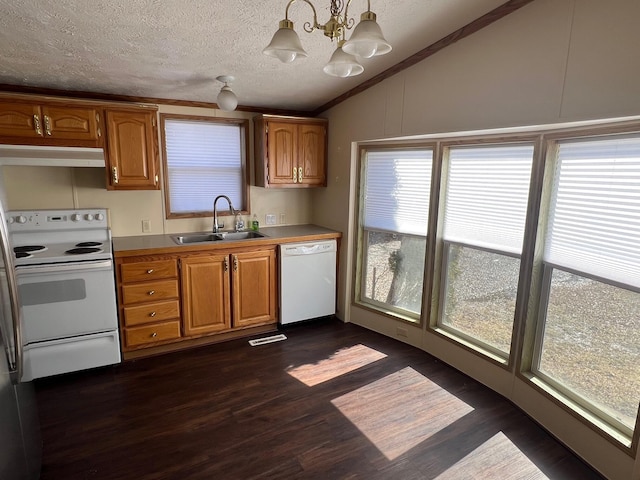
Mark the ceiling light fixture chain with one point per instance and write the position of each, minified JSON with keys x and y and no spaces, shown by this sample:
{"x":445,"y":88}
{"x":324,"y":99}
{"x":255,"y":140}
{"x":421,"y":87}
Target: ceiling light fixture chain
{"x":365,"y":42}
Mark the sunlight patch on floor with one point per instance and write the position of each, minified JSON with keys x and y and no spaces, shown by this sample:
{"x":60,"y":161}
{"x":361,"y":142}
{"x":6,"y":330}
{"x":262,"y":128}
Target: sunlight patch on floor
{"x":401,"y":410}
{"x":343,"y":361}
{"x":498,"y":457}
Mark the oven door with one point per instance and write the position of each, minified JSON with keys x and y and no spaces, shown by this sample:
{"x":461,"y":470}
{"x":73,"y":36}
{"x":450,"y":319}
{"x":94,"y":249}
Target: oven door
{"x":66,"y":300}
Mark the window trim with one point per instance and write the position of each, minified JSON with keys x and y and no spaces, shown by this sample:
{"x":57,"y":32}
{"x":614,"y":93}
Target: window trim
{"x":244,"y":160}
{"x":359,"y":242}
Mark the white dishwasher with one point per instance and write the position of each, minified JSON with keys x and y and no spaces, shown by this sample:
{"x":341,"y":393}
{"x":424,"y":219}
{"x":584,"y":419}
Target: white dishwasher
{"x":307,"y":280}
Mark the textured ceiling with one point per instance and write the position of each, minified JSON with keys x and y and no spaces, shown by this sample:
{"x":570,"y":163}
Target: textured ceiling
{"x":175,"y":48}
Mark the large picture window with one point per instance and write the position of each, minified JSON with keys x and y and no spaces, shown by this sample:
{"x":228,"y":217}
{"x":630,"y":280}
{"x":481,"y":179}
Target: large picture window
{"x":204,"y":157}
{"x":485,"y":210}
{"x":588,"y":343}
{"x":395,"y":186}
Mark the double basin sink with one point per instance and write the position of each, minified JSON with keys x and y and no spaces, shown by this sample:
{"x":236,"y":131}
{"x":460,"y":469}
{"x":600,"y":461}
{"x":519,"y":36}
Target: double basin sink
{"x":215,"y":237}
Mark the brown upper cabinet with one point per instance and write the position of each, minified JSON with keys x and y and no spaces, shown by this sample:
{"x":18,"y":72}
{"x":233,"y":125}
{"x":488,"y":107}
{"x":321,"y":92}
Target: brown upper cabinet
{"x":25,"y":122}
{"x":131,"y":150}
{"x":290,"y":152}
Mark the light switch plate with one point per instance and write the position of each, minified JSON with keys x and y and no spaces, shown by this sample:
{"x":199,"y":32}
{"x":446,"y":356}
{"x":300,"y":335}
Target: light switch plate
{"x":270,"y":219}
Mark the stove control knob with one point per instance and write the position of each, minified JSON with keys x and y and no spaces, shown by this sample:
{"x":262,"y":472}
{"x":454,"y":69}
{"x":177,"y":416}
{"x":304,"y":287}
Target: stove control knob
{"x":88,"y":217}
{"x":76,"y":217}
{"x":21,"y":219}
{"x":99,"y":217}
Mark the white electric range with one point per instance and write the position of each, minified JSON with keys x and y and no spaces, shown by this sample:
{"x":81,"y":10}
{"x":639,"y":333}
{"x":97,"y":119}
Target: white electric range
{"x":65,"y":277}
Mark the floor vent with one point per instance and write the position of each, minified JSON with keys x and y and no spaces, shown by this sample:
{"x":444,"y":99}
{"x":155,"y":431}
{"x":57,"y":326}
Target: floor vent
{"x":271,"y":339}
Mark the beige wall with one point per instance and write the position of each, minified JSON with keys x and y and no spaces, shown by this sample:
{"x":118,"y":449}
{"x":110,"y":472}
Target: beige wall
{"x":64,"y":187}
{"x":550,"y":62}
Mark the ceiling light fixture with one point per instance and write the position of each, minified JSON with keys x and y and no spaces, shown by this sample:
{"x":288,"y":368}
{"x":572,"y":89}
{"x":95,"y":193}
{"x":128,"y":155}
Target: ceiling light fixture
{"x":227,"y":100}
{"x":365,"y":42}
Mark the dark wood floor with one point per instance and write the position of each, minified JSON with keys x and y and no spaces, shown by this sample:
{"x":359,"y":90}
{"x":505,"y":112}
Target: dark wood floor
{"x":333,"y":401}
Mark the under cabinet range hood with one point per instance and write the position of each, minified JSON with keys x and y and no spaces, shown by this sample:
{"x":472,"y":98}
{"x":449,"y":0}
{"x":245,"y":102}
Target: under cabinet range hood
{"x":29,"y":155}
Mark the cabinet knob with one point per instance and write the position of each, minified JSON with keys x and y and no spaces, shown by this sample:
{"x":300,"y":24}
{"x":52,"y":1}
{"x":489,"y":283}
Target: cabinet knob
{"x":151,"y":292}
{"x":150,"y":271}
{"x":152,"y":314}
{"x":154,"y":334}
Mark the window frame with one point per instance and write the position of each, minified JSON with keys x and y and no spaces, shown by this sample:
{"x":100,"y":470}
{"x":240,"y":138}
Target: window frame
{"x":361,"y":240}
{"x":243,"y":125}
{"x":581,"y":401}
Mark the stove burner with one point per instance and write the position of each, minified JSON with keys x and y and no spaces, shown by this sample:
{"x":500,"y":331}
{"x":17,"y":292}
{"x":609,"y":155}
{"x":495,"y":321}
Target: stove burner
{"x":23,"y":255}
{"x":29,"y":248}
{"x":88,"y":244}
{"x":82,"y":251}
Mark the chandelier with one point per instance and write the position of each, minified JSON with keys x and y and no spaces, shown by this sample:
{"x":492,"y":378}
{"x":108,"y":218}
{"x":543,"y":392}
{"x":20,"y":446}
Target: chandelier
{"x":365,"y":41}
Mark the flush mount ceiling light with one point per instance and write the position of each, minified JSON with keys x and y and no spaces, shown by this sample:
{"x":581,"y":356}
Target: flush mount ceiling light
{"x":227,"y":100}
{"x":365,"y":42}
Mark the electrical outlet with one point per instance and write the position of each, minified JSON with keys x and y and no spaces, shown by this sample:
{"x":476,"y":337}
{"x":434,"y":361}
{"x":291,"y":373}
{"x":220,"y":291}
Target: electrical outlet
{"x":282,"y":219}
{"x":270,"y":219}
{"x":146,"y":226}
{"x":401,"y":331}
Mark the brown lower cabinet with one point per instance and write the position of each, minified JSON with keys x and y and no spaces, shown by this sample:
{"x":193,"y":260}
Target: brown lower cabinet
{"x":169,"y":300}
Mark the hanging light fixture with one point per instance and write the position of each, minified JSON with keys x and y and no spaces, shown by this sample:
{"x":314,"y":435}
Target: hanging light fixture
{"x":366,"y":41}
{"x":227,"y":100}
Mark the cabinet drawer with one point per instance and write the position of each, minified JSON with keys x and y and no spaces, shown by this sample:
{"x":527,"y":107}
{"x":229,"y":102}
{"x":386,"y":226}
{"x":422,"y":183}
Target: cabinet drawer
{"x":152,"y":333}
{"x":137,"y":272}
{"x":149,"y":291}
{"x":151,"y":312}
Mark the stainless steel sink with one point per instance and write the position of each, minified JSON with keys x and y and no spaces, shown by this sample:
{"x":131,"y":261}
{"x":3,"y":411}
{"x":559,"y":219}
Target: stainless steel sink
{"x":215,"y":237}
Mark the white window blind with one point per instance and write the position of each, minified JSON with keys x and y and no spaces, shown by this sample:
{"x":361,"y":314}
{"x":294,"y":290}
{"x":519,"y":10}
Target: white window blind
{"x":487,"y":194}
{"x":204,"y":159}
{"x":396,"y":191}
{"x":595,"y":222}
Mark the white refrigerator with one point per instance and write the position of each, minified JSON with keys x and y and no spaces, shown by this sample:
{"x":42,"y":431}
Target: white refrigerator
{"x":20,"y":443}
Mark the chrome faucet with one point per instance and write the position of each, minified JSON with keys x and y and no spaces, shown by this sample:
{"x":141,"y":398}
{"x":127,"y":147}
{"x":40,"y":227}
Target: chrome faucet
{"x":216,"y":225}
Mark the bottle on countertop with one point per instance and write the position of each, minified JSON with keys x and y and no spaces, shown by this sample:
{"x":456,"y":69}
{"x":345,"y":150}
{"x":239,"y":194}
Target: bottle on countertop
{"x":255,"y":225}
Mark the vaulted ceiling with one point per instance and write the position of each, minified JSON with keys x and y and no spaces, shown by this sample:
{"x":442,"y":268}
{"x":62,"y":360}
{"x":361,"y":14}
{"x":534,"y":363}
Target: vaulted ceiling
{"x":175,"y":49}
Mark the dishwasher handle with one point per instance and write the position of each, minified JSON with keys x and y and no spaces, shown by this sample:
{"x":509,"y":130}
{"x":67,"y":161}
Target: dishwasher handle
{"x":297,"y":249}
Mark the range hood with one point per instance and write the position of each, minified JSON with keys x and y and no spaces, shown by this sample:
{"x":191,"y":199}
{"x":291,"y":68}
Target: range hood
{"x":29,"y":155}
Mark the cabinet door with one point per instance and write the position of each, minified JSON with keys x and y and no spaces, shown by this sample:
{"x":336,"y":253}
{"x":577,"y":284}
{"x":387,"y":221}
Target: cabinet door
{"x":312,"y":155}
{"x":254,"y":288}
{"x":205,"y":294}
{"x":282,"y":147}
{"x":72,"y":123}
{"x":131,"y":153}
{"x":20,"y":120}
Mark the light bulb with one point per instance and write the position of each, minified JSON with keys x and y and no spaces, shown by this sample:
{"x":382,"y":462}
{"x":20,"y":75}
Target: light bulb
{"x":285,"y":56}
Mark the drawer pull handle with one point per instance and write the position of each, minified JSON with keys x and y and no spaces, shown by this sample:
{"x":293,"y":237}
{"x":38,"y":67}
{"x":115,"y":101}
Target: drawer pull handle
{"x":226,"y":265}
{"x":295,"y":175}
{"x":235,"y":263}
{"x":150,"y":271}
{"x":154,"y":334}
{"x":152,"y":314}
{"x":151,"y":292}
{"x":47,"y":125}
{"x":300,"y":174}
{"x":114,"y":175}
{"x":36,"y":125}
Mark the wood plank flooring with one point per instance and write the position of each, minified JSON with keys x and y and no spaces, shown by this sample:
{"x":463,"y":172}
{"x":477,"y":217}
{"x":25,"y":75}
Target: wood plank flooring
{"x":333,"y":401}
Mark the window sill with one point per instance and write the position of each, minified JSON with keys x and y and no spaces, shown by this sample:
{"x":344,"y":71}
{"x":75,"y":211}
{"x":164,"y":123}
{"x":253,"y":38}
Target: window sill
{"x":620,"y":439}
{"x":473,"y":347}
{"x":393,"y":314}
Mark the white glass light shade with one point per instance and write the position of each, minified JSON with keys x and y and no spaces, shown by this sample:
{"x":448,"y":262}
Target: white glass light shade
{"x":285,"y":44}
{"x":227,"y":100}
{"x":367,"y":39}
{"x":342,"y":64}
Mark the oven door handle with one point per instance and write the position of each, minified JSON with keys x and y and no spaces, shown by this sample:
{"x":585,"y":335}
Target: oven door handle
{"x":66,"y":267}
